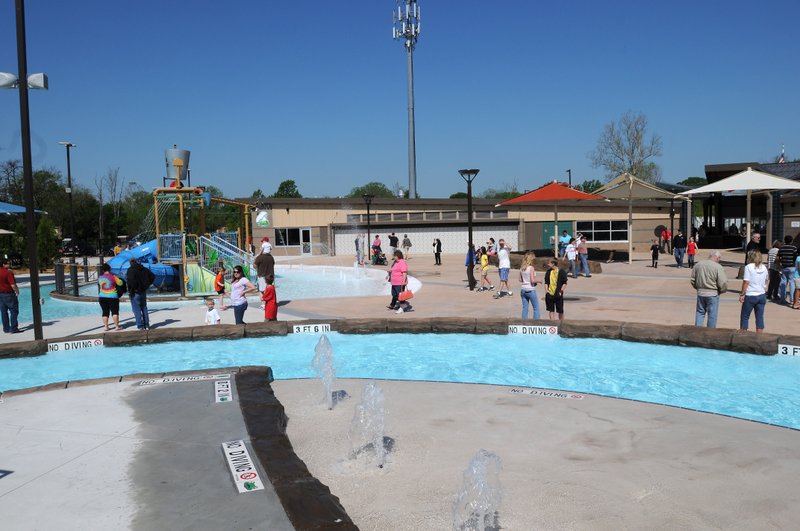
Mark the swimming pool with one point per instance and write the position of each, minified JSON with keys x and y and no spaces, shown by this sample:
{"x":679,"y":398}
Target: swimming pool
{"x":293,"y":282}
{"x":761,"y":388}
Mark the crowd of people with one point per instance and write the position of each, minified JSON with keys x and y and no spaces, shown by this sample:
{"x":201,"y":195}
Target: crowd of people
{"x":771,"y":277}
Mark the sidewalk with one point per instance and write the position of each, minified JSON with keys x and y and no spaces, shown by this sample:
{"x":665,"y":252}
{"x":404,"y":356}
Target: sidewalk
{"x":623,"y":292}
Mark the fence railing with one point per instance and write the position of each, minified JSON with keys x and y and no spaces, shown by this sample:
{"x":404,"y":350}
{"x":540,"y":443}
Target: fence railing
{"x":214,"y":253}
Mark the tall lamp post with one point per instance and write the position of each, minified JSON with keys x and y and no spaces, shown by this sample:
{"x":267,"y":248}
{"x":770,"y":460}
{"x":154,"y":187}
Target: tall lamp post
{"x":469,"y":176}
{"x":406,"y":26}
{"x":70,"y":145}
{"x":34,"y":81}
{"x":368,"y":200}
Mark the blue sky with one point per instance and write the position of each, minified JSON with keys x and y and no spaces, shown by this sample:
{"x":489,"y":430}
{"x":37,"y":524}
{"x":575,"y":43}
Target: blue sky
{"x":316,"y":91}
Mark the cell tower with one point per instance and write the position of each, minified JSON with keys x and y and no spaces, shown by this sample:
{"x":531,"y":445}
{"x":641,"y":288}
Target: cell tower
{"x":406,"y":27}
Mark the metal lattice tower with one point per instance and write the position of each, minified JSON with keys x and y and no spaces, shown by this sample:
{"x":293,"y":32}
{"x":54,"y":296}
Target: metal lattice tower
{"x":406,"y":27}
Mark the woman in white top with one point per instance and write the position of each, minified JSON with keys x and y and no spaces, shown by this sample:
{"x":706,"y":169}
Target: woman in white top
{"x":527,"y":291}
{"x":240,"y":287}
{"x":754,"y":290}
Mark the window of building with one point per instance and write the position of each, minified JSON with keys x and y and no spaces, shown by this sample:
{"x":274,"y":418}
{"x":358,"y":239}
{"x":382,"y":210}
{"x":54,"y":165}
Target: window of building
{"x":287,"y":236}
{"x":603,"y":231}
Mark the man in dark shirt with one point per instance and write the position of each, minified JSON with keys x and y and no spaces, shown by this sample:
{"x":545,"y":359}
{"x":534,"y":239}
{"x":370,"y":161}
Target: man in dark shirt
{"x":9,"y":301}
{"x":392,"y":244}
{"x":139,"y":279}
{"x":787,"y":255}
{"x":265,"y":267}
{"x":679,"y":247}
{"x":752,"y":245}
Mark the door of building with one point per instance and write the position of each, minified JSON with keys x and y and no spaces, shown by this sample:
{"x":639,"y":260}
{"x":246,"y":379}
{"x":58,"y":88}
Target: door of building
{"x":548,"y":234}
{"x":305,"y":241}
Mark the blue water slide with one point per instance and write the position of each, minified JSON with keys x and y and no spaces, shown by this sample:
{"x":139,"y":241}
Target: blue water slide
{"x":147,"y":255}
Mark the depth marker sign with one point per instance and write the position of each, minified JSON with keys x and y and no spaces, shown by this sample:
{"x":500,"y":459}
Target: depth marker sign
{"x":222,"y":391}
{"x":242,"y":468}
{"x":789,"y":350}
{"x":312,"y":328}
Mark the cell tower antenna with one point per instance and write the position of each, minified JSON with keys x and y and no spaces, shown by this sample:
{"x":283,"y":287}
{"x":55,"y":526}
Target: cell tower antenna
{"x":406,"y":26}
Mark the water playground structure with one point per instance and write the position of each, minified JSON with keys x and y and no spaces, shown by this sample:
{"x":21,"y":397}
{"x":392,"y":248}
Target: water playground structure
{"x":175,"y":246}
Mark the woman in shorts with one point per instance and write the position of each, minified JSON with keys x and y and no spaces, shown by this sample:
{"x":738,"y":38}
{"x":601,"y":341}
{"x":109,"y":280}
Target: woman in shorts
{"x":555,"y":281}
{"x":108,"y":296}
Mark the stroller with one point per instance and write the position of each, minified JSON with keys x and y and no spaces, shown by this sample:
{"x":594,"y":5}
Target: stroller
{"x":378,"y":257}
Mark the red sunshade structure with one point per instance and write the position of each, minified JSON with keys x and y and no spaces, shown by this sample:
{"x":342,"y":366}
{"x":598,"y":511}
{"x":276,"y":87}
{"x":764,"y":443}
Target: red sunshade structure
{"x":552,"y":192}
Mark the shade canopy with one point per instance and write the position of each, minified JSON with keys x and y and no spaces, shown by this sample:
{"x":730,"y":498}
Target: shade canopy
{"x":749,"y":181}
{"x":8,"y":208}
{"x":627,"y":186}
{"x":4,"y":232}
{"x":552,"y":192}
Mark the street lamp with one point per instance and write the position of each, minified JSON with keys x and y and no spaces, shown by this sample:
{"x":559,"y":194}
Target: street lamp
{"x":469,"y":176}
{"x":34,"y":81}
{"x":368,"y":200}
{"x":569,"y":176}
{"x":406,"y":26}
{"x":69,"y":145}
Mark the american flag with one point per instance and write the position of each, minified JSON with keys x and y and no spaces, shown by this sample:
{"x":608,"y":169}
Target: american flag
{"x":781,"y":159}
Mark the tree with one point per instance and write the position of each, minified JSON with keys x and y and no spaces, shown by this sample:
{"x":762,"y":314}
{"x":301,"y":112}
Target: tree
{"x":694,"y":181}
{"x":589,"y":185}
{"x":622,"y":147}
{"x":506,"y":192}
{"x":287,"y":188}
{"x":46,"y":242}
{"x":258,"y":194}
{"x":373,"y":188}
{"x":458,"y":195}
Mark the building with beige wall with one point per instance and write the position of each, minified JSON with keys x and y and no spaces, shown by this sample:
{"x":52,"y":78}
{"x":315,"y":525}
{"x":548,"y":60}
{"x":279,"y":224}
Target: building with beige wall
{"x":330,"y":225}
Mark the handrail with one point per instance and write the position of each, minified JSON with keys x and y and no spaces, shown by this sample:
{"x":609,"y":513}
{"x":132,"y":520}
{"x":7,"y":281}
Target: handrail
{"x":227,"y":254}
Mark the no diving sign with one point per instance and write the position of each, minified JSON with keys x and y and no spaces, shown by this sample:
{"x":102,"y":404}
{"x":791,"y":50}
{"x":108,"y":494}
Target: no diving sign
{"x":242,"y":468}
{"x":533,"y":330}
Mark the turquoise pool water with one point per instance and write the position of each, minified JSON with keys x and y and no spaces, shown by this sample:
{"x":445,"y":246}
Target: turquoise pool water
{"x":292,"y":283}
{"x":762,"y":388}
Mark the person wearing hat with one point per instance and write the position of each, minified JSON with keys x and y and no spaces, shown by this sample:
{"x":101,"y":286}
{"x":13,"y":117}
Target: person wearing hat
{"x":266,"y":247}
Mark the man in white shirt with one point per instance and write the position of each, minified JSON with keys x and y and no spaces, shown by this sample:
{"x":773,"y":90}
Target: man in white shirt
{"x":504,"y":265}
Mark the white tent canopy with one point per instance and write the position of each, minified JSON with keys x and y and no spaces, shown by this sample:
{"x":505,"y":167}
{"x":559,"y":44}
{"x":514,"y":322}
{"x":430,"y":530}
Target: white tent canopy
{"x":749,"y":181}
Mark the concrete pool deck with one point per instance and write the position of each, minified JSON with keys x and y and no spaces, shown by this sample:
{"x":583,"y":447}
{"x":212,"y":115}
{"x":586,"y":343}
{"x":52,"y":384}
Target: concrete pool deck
{"x":117,"y":454}
{"x":623,"y":292}
{"x":595,"y":463}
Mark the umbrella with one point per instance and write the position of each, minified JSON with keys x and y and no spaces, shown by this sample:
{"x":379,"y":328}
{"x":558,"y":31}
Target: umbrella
{"x":552,"y":192}
{"x":748,"y":180}
{"x":629,"y":187}
{"x":4,"y":232}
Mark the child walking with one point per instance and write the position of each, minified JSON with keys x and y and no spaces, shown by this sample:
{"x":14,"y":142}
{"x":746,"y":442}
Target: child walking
{"x":270,"y":299}
{"x":483,"y":264}
{"x":691,"y":251}
{"x":212,"y":315}
{"x":219,"y":287}
{"x":654,"y":250}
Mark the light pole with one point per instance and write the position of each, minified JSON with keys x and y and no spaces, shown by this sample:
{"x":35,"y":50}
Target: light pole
{"x":368,"y":200}
{"x":406,"y":26}
{"x":569,"y":177}
{"x":469,"y":176}
{"x":34,"y":81}
{"x":70,"y":145}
